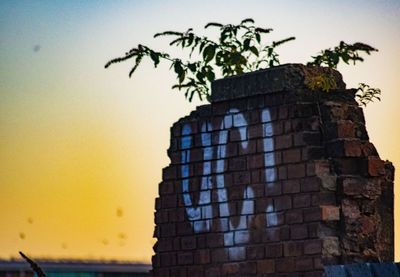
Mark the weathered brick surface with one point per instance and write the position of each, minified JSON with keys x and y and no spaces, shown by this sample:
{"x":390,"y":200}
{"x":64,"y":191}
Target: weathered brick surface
{"x":272,"y":180}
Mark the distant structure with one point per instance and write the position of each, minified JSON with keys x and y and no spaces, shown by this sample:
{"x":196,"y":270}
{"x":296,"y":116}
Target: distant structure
{"x":74,"y":268}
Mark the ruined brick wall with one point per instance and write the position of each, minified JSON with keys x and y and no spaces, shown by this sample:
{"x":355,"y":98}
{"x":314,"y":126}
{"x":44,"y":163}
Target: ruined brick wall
{"x":272,"y":179}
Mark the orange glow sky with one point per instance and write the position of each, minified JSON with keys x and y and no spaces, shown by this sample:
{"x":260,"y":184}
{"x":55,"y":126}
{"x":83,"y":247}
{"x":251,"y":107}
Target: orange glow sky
{"x":82,"y":148}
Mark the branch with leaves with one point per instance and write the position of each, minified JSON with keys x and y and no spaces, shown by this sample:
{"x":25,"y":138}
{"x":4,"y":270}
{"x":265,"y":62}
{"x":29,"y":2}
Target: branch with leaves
{"x":239,"y":49}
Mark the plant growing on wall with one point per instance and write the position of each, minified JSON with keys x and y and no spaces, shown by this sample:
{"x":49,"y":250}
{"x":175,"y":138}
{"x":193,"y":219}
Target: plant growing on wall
{"x":239,"y":49}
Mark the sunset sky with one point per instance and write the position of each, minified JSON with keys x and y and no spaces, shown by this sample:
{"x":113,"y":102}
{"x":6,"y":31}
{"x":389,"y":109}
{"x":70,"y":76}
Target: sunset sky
{"x":82,"y":147}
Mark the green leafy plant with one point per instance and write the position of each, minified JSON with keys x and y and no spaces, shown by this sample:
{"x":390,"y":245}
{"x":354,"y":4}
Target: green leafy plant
{"x":239,"y":49}
{"x":324,"y":82}
{"x":365,"y":94}
{"x":343,"y":52}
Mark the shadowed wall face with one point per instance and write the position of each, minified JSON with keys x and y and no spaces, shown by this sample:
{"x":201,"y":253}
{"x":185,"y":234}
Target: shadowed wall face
{"x":272,"y":178}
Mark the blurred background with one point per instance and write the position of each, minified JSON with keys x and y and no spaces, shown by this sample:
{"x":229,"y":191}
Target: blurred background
{"x":82,"y":147}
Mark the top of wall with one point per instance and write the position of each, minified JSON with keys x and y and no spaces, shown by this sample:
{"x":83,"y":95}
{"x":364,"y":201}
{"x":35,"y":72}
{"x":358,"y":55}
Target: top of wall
{"x":276,"y":79}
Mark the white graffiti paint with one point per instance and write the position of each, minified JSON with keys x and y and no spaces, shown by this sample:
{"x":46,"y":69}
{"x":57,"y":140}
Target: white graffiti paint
{"x":201,"y":213}
{"x":204,"y":211}
{"x":269,"y":163}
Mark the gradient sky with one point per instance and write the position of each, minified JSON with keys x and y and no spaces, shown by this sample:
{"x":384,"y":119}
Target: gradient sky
{"x":82,"y":148}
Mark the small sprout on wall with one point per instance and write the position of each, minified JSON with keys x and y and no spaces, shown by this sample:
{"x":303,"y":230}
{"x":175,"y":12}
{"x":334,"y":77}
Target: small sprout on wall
{"x":323,"y":81}
{"x":365,"y":94}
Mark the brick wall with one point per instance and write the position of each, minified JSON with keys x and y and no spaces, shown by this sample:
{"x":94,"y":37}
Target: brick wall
{"x":272,"y":179}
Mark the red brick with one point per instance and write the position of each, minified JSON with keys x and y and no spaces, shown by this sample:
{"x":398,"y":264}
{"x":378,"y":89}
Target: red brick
{"x":310,"y":184}
{"x":213,"y":271}
{"x":345,"y":129}
{"x":167,"y":259}
{"x":312,"y":153}
{"x":162,"y":272}
{"x":219,"y":255}
{"x":296,"y":170}
{"x":285,"y":265}
{"x":293,"y":248}
{"x":303,"y":264}
{"x":272,"y":234}
{"x":250,"y":149}
{"x":316,"y":273}
{"x":178,"y":215}
{"x":284,"y":233}
{"x":188,"y":243}
{"x":352,"y":148}
{"x":230,"y":268}
{"x":273,"y":189}
{"x":294,"y":216}
{"x":196,"y":155}
{"x":247,"y":268}
{"x":185,"y":258}
{"x":195,"y":271}
{"x":169,"y":172}
{"x":312,"y":247}
{"x":258,"y":190}
{"x":284,"y":141}
{"x":282,"y":172}
{"x":318,"y":263}
{"x":368,"y":149}
{"x":255,"y":176}
{"x":215,"y":240}
{"x":312,"y":214}
{"x":301,"y":200}
{"x":265,"y":266}
{"x":291,"y":156}
{"x":202,"y":256}
{"x":350,"y":166}
{"x":298,"y":231}
{"x":273,"y":250}
{"x":282,"y":203}
{"x":167,"y":230}
{"x":255,"y":131}
{"x":164,"y":245}
{"x":325,"y":198}
{"x":255,"y":102}
{"x":255,"y":161}
{"x":330,"y":213}
{"x":236,"y":134}
{"x":313,"y":229}
{"x":161,"y":216}
{"x":375,"y":166}
{"x":242,"y":177}
{"x":201,"y":241}
{"x":184,"y":228}
{"x":157,"y":203}
{"x":255,"y":252}
{"x":254,"y":117}
{"x":166,"y":188}
{"x":220,"y":108}
{"x":291,"y":186}
{"x":261,"y":205}
{"x":312,"y":138}
{"x":283,"y":112}
{"x":237,"y":164}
